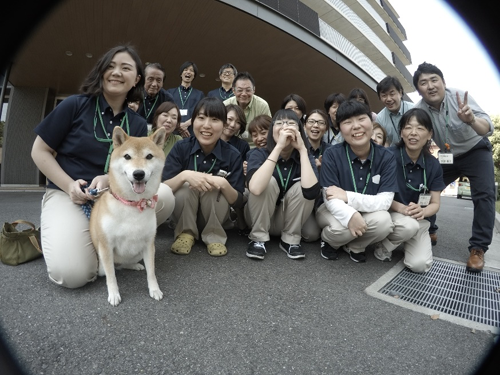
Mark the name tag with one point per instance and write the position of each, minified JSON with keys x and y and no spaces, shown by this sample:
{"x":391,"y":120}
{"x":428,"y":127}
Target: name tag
{"x":150,"y":126}
{"x":424,"y":200}
{"x":445,"y":158}
{"x":184,"y":112}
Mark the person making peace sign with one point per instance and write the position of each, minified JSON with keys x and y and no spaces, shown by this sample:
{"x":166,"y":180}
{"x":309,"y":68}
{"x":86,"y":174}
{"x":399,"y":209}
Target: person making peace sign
{"x":461,"y":130}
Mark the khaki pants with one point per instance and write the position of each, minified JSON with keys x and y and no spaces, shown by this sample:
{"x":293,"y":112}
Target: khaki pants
{"x":285,"y":220}
{"x":379,"y":225}
{"x":417,"y":243}
{"x":195,"y":210}
{"x":68,"y":251}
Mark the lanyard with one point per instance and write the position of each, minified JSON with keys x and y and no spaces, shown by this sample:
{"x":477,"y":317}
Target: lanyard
{"x":404,"y":173}
{"x":283,"y":185}
{"x":145,"y":110}
{"x":107,"y":139}
{"x":393,"y":124}
{"x":447,"y":125}
{"x":196,"y":165}
{"x":224,"y":96}
{"x":183,"y":102}
{"x":352,"y":172}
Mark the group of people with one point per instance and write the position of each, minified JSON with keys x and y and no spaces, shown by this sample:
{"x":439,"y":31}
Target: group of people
{"x":325,"y":175}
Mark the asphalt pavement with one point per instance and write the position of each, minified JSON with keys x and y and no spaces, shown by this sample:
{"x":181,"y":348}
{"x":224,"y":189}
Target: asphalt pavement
{"x":233,"y":315}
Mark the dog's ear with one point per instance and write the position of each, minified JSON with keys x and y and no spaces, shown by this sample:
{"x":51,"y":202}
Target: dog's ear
{"x":119,"y":136}
{"x":158,"y":137}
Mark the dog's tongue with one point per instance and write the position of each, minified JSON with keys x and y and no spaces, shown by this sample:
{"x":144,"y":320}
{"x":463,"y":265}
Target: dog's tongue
{"x":139,"y":187}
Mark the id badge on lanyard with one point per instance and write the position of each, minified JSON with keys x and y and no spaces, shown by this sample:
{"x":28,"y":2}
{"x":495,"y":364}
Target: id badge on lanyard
{"x":424,"y":199}
{"x":445,"y":158}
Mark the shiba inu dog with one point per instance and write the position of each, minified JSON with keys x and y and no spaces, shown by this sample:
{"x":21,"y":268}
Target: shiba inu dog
{"x":123,"y":220}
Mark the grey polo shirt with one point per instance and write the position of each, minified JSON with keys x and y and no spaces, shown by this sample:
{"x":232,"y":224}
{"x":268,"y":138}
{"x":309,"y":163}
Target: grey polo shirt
{"x":390,"y":121}
{"x":460,"y":136}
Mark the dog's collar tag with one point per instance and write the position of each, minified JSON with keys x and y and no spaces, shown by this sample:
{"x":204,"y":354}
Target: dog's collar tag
{"x":141,"y":204}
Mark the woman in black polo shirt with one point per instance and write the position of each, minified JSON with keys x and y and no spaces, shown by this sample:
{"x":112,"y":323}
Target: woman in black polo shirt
{"x":72,"y":149}
{"x":283,"y":183}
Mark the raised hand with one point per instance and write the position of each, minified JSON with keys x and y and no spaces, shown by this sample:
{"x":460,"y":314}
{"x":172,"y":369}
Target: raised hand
{"x":464,"y":111}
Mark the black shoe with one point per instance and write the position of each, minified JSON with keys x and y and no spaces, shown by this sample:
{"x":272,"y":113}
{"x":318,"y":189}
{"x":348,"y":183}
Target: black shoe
{"x":293,"y":251}
{"x":256,"y":250}
{"x":356,"y":257}
{"x":328,"y":252}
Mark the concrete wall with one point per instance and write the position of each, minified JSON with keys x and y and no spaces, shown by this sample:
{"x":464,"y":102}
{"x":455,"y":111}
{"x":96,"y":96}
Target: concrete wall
{"x":27,"y":107}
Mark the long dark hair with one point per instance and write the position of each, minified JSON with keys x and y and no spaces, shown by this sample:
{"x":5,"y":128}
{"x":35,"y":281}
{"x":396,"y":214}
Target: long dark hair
{"x":92,"y":84}
{"x":422,"y":118}
{"x":283,"y":114}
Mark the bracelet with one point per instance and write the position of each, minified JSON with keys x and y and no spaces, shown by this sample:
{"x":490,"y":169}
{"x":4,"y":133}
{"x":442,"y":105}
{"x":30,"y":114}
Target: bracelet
{"x":473,"y":120}
{"x":275,"y":162}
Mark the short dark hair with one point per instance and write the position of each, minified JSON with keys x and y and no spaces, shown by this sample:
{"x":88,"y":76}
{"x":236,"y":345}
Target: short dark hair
{"x":260,"y":122}
{"x":186,"y":65}
{"x":165,"y":107}
{"x":333,"y":98}
{"x":422,"y":118}
{"x":241,"y":117}
{"x":319,"y":112}
{"x":426,"y":68}
{"x":387,"y":83}
{"x":228,"y":65}
{"x":376,"y":125}
{"x":351,"y":108}
{"x":243,"y":75}
{"x":92,"y":85}
{"x":359,"y":93}
{"x":212,"y":107}
{"x":301,"y":103}
{"x":282,"y":114}
{"x":155,"y":66}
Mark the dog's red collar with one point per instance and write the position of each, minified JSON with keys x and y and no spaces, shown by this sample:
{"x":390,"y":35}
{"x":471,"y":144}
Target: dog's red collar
{"x":141,"y":204}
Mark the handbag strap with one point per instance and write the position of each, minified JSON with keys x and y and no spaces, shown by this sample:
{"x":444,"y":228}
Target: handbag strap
{"x":32,"y":238}
{"x":14,"y":223}
{"x":34,"y":241}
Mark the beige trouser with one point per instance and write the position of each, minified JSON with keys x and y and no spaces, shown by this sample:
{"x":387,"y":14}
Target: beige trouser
{"x":285,"y":220}
{"x":417,"y":243}
{"x":195,"y":210}
{"x":379,"y":225}
{"x":68,"y":251}
{"x":311,"y":231}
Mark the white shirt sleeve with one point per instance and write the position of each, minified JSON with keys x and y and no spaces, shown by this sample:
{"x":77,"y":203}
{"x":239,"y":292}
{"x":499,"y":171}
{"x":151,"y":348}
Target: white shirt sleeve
{"x":339,"y":209}
{"x":370,"y":203}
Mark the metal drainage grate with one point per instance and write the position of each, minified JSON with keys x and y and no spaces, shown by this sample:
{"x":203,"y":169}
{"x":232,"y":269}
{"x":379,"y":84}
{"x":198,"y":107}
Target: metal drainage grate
{"x":450,"y":289}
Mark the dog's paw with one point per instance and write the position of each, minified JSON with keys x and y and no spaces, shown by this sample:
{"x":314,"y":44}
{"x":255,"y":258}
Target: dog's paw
{"x":114,"y":299}
{"x":156,"y":294}
{"x":133,"y":266}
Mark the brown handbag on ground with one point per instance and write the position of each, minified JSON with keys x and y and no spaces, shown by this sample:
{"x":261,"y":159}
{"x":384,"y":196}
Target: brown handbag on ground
{"x":19,"y":247}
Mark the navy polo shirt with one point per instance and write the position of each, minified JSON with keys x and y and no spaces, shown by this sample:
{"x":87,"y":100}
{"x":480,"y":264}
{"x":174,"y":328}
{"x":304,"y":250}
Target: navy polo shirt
{"x":187,"y":152}
{"x":335,"y":169}
{"x":186,"y":98}
{"x":320,"y":150}
{"x":241,"y":145}
{"x":290,"y":171}
{"x":150,"y":104}
{"x":415,"y":175}
{"x":69,"y":130}
{"x":220,"y":93}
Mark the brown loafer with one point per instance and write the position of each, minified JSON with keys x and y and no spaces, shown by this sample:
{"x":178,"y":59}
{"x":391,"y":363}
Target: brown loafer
{"x":434,"y":238}
{"x":476,"y":260}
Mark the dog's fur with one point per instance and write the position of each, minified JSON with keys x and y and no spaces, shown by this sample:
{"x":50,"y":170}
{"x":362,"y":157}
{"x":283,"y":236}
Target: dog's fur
{"x":122,"y":234}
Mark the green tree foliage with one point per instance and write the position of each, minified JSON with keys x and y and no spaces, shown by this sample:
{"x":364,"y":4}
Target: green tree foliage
{"x":495,"y":141}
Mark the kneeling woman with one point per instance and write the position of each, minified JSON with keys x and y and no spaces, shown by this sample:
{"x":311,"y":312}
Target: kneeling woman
{"x":420,"y":182}
{"x":283,"y":183}
{"x":206,"y":176}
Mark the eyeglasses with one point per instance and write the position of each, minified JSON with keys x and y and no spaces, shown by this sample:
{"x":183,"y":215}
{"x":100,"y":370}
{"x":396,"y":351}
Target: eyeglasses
{"x":240,"y":90}
{"x":314,"y":122}
{"x":228,"y":73}
{"x":286,"y":122}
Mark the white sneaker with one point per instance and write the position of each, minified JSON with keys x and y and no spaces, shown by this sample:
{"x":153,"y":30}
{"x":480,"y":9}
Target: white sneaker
{"x":381,"y":253}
